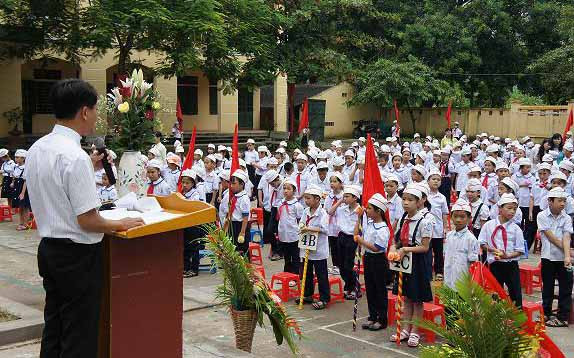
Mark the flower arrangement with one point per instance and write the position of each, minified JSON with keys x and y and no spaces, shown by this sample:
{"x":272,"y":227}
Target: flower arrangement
{"x":244,"y":289}
{"x":132,"y":114}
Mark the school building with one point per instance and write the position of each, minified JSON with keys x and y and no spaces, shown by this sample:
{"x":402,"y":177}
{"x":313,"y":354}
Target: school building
{"x":26,"y":85}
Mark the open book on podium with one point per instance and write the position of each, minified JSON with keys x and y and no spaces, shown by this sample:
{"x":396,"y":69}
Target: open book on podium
{"x":142,"y":300}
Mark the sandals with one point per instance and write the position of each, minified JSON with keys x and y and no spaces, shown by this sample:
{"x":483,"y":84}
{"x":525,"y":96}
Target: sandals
{"x":188,"y":274}
{"x":21,"y":228}
{"x":414,"y":340}
{"x":351,"y":296}
{"x":555,"y":322}
{"x":319,"y":305}
{"x":367,"y":325}
{"x":404,"y":336}
{"x":377,"y":326}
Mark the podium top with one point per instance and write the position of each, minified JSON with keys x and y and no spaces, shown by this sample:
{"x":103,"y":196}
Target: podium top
{"x":193,"y":213}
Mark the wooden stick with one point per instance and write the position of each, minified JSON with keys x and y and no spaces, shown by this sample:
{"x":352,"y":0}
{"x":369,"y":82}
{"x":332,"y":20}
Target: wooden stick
{"x":357,"y":289}
{"x":303,"y":279}
{"x":399,"y":307}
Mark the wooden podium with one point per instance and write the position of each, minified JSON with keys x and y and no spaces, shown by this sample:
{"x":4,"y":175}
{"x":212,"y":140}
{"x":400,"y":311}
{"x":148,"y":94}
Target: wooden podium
{"x":142,"y":300}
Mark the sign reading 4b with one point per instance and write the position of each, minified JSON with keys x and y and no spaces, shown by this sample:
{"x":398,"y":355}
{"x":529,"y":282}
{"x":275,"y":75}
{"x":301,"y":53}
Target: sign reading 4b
{"x":405,"y":265}
{"x":308,"y":240}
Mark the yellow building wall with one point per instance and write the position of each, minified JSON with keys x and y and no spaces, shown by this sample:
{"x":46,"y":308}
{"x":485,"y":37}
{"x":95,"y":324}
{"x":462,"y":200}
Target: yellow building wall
{"x":341,"y":115}
{"x":11,"y":92}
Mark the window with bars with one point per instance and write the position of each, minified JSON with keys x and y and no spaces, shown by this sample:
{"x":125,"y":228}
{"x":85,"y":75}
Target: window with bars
{"x":213,"y":97}
{"x":38,"y":90}
{"x":187,"y":88}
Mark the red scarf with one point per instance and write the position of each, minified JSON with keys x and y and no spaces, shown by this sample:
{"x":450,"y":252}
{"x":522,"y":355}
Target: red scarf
{"x":332,"y":217}
{"x":298,"y":179}
{"x":283,"y":205}
{"x":232,"y":206}
{"x":404,"y":235}
{"x":504,"y":237}
{"x":443,"y":168}
{"x":485,"y":181}
{"x":150,"y":188}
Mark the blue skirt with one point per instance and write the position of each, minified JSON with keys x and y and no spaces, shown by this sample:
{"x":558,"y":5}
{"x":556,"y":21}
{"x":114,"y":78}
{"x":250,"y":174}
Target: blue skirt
{"x":416,"y":285}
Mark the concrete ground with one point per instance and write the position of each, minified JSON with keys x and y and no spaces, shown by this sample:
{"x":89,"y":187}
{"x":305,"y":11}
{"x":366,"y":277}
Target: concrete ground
{"x":208,"y":331}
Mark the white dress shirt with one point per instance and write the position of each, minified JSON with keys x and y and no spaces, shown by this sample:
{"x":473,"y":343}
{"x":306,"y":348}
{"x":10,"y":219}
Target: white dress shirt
{"x":514,"y":243}
{"x":460,"y":249}
{"x":559,"y":225}
{"x":60,"y":180}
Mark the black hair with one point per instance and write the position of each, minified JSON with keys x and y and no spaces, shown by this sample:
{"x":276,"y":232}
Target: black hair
{"x":553,"y":146}
{"x":509,"y":189}
{"x":326,"y":169}
{"x":288,"y":166}
{"x":158,"y":134}
{"x":541,"y":150}
{"x":466,"y":212}
{"x":69,"y":96}
{"x":427,"y":204}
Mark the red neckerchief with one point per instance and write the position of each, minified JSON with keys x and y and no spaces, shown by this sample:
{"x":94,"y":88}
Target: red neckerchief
{"x":298,"y":179}
{"x":332,"y":217}
{"x":150,"y":188}
{"x":504,"y":237}
{"x":543,"y":184}
{"x":232,"y":206}
{"x":404,"y":236}
{"x":485,"y":181}
{"x":443,"y":168}
{"x":283,"y":205}
{"x":273,"y":194}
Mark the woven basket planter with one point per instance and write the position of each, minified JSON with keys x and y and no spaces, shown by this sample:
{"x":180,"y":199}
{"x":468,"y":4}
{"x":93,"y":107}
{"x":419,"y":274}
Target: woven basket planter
{"x":244,"y":326}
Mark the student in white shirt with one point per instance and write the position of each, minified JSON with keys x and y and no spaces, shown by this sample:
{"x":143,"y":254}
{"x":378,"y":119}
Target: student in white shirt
{"x":504,"y":243}
{"x":392,"y":185}
{"x":322,"y":179}
{"x":251,"y":156}
{"x":211,"y":179}
{"x":223,"y":198}
{"x":261,"y":164}
{"x":439,"y":210}
{"x":268,"y":187}
{"x":506,"y":186}
{"x":6,"y":170}
{"x":198,"y":159}
{"x":172,"y":172}
{"x":238,"y":216}
{"x":398,"y":170}
{"x":525,"y":181}
{"x":461,"y":247}
{"x":315,"y":219}
{"x":461,"y":171}
{"x":555,"y":232}
{"x":191,"y":235}
{"x":107,"y":192}
{"x":289,"y":214}
{"x":416,"y":146}
{"x":156,"y":184}
{"x":332,"y":202}
{"x":347,"y":217}
{"x":375,"y":240}
{"x":301,"y":177}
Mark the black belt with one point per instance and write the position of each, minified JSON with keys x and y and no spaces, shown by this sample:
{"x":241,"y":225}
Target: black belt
{"x":375,"y":253}
{"x":66,"y":241}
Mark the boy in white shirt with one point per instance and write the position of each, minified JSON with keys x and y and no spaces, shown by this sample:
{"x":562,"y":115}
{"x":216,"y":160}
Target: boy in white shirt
{"x":346,"y":218}
{"x":555,"y":232}
{"x":288,"y":215}
{"x":156,"y":183}
{"x":479,"y":210}
{"x":461,"y":171}
{"x":301,"y":177}
{"x":461,"y":247}
{"x":439,"y":210}
{"x":504,"y":243}
{"x":525,"y":180}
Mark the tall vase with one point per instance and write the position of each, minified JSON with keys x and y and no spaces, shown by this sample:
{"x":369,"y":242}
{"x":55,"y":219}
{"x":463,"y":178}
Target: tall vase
{"x":131,"y":174}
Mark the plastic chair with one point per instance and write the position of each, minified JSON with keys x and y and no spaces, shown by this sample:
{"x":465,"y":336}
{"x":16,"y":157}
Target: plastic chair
{"x":260,"y":269}
{"x":336,"y":289}
{"x":530,"y":278}
{"x":286,"y":292}
{"x":391,"y":308}
{"x":5,"y":213}
{"x":534,"y":312}
{"x":255,"y":255}
{"x":256,"y":236}
{"x":431,"y":312}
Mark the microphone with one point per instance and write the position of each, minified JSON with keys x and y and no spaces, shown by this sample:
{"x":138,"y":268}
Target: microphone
{"x":101,"y":148}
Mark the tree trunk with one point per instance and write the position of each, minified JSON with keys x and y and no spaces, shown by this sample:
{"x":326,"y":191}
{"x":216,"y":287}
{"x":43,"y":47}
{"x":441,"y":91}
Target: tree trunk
{"x":413,"y":120}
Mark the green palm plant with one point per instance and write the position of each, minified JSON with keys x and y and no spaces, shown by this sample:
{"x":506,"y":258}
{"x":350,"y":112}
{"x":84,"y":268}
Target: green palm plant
{"x":244,"y":289}
{"x":478,"y":326}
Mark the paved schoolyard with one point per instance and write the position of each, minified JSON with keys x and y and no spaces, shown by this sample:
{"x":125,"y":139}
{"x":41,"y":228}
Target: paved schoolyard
{"x":208,"y":331}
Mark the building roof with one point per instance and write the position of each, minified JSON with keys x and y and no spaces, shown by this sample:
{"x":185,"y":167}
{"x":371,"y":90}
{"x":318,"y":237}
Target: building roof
{"x":301,"y":92}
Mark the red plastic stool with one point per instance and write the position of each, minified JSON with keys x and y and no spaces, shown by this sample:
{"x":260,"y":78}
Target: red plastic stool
{"x":431,"y":312}
{"x":257,"y":216}
{"x":534,"y":312}
{"x":391,"y":308}
{"x":255,"y":255}
{"x":286,"y":292}
{"x":5,"y":213}
{"x":335,"y":287}
{"x":260,"y":269}
{"x":530,"y":278}
{"x":437,"y":301}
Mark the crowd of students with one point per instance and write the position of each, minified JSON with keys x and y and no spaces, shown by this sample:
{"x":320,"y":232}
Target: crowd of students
{"x":507,"y":191}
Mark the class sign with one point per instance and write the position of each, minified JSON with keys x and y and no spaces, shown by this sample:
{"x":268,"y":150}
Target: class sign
{"x":405,"y":265}
{"x":308,"y":240}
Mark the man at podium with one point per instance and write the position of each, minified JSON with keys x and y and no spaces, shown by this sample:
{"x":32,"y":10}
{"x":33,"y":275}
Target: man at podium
{"x":62,"y":188}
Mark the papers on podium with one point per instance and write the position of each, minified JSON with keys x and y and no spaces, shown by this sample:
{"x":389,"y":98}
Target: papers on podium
{"x":146,"y":208}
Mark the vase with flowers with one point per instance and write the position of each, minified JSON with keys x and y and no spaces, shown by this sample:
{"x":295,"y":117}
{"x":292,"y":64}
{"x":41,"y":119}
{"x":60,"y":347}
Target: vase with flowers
{"x":131,"y":110}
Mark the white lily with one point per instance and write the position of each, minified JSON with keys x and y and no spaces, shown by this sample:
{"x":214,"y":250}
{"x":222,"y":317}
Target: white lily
{"x":145,"y":86}
{"x":115,"y":96}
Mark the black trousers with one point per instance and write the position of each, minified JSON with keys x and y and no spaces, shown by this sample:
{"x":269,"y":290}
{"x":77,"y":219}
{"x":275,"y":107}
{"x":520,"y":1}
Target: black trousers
{"x":72,"y":278}
{"x":319,"y":267}
{"x":334,"y":248}
{"x":347,"y":249}
{"x":508,"y":273}
{"x":255,"y":186}
{"x":291,"y":258}
{"x":376,"y":267}
{"x":438,"y":257}
{"x":234,"y":230}
{"x":270,"y":227}
{"x":191,"y":247}
{"x":552,"y":270}
{"x":529,"y":227}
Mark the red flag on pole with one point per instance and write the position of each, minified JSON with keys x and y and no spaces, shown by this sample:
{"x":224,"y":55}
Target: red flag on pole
{"x":396,"y":113}
{"x":373,"y":183}
{"x":188,"y":161}
{"x":179,"y":116}
{"x":448,"y":114}
{"x":234,"y":153}
{"x":304,"y":120}
{"x":568,"y":125}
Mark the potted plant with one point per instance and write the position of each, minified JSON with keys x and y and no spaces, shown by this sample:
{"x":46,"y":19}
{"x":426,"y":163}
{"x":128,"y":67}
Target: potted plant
{"x":480,"y":325}
{"x":15,"y":118}
{"x":247,"y":295}
{"x":131,"y":121}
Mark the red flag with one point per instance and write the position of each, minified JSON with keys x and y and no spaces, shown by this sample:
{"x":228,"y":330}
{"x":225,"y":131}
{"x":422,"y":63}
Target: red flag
{"x":304,"y":121}
{"x":179,"y":116}
{"x":373,"y":183}
{"x":448,"y":114}
{"x":234,"y":153}
{"x":396,"y":113}
{"x":568,"y":125}
{"x":188,"y":162}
